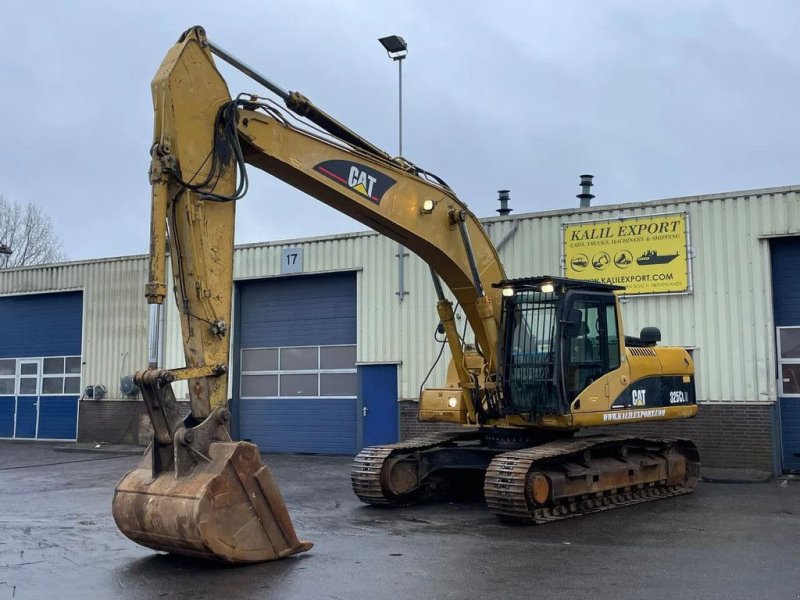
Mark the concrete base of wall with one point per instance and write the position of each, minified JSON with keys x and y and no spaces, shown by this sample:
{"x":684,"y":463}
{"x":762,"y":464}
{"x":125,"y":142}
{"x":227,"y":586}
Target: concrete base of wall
{"x":116,"y":421}
{"x":110,"y":421}
{"x":729,"y":435}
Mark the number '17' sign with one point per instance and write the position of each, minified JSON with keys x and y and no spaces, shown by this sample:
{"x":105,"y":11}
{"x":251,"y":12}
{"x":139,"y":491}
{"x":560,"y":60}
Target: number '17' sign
{"x":291,"y":260}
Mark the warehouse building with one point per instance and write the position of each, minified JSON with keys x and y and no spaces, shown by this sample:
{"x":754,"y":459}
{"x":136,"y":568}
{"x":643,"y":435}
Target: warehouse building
{"x":333,"y":336}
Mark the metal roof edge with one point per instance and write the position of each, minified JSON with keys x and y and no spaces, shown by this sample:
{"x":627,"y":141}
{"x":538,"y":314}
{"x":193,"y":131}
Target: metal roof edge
{"x":530,"y":215}
{"x":660,"y":202}
{"x":75,"y":263}
{"x":319,"y":238}
{"x":132,"y":257}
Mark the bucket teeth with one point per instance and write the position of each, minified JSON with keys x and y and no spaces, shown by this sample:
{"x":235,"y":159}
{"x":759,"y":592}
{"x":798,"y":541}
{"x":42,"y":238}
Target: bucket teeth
{"x":228,"y":508}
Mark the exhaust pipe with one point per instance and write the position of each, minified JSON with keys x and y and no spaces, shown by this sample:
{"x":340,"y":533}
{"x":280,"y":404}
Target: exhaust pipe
{"x":503,"y":196}
{"x":586,"y":196}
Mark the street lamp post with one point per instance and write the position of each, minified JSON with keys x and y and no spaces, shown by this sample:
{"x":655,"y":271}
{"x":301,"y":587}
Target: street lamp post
{"x":397,"y":49}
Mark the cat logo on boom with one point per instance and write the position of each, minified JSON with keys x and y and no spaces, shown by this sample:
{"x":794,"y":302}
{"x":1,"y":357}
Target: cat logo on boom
{"x":363,"y":180}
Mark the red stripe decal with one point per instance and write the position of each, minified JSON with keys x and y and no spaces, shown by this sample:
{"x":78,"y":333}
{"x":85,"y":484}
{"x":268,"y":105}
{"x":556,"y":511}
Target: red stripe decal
{"x":332,"y":175}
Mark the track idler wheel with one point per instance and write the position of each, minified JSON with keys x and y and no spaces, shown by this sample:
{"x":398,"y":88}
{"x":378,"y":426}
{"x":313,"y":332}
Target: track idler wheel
{"x":539,"y":488}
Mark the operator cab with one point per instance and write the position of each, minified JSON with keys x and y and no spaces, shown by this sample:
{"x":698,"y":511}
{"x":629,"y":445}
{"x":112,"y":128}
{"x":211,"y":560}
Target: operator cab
{"x":558,"y":335}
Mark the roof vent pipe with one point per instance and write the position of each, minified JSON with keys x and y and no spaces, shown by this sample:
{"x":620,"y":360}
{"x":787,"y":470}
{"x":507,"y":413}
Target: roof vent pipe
{"x":503,"y":196}
{"x":585,"y":196}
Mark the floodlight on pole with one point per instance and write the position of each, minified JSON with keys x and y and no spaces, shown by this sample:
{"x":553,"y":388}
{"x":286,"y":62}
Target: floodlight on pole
{"x":5,"y":249}
{"x":397,"y":49}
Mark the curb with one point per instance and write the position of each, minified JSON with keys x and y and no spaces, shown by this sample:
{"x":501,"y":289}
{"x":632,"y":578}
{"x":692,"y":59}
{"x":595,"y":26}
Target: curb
{"x":734,"y":475}
{"x":118,"y":449}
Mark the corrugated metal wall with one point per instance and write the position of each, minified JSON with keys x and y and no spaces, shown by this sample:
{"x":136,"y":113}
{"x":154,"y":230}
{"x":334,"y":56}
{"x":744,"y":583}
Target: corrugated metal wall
{"x":727,"y":318}
{"x":387,"y":329}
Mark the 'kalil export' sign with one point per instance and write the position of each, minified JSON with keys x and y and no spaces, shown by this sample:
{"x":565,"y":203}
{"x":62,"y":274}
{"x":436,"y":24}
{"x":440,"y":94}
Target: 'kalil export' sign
{"x":645,"y":255}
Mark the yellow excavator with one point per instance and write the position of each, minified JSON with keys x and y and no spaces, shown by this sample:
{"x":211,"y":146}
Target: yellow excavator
{"x":549,"y":355}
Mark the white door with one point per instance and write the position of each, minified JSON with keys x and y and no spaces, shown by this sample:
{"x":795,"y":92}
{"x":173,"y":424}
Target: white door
{"x":29,"y":377}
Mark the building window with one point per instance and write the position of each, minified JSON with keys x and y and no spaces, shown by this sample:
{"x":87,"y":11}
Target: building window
{"x":299,"y":372}
{"x":8,"y":376}
{"x":61,"y":375}
{"x":46,"y":376}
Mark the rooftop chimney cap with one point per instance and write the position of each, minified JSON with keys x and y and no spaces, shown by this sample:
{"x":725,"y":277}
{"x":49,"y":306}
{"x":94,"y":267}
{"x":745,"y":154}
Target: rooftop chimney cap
{"x":586,"y":196}
{"x":503,"y":196}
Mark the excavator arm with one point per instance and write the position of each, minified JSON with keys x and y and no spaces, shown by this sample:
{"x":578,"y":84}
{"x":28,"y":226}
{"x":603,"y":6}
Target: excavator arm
{"x":198,"y":232}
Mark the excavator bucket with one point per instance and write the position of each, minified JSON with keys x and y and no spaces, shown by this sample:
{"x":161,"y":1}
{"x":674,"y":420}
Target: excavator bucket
{"x":227,"y":509}
{"x":201,"y":494}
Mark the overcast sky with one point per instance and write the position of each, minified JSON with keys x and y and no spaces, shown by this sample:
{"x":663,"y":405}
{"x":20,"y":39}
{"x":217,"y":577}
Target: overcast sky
{"x":656,"y":99}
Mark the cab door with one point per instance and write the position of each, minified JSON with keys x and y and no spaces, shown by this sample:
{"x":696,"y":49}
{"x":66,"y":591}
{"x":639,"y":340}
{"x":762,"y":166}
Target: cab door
{"x":593,"y":352}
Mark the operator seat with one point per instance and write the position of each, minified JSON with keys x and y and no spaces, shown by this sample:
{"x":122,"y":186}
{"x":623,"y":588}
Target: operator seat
{"x":583,"y":350}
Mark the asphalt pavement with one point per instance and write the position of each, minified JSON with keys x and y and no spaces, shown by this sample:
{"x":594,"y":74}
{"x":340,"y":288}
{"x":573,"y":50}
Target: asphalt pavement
{"x":58,"y":541}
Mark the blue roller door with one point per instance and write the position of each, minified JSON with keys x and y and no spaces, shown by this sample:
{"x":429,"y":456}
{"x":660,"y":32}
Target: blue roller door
{"x":295,"y":378}
{"x":785,"y":253}
{"x":40,"y":365}
{"x":7,"y":409}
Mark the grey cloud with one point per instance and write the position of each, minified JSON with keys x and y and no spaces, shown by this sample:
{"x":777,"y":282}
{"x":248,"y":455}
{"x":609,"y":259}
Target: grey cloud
{"x":657,"y":99}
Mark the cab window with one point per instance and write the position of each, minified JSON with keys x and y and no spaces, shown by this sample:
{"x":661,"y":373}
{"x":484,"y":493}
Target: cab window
{"x":612,"y":337}
{"x":594,"y":349}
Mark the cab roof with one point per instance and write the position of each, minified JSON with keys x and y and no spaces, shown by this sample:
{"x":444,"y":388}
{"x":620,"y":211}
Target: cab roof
{"x":563,"y":282}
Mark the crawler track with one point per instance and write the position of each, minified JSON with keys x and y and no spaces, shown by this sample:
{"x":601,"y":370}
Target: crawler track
{"x":507,"y":485}
{"x":365,"y":474}
{"x":641,"y":470}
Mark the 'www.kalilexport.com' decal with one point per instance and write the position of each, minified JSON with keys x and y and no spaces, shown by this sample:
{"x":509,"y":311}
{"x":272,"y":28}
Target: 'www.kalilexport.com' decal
{"x":361,"y":179}
{"x":628,"y":415}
